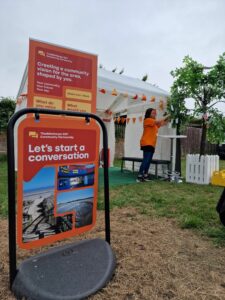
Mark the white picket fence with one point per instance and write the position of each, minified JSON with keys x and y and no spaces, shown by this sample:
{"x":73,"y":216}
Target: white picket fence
{"x":200,"y":170}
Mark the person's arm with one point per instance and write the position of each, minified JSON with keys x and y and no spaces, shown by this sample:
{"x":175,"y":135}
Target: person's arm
{"x":159,"y":122}
{"x":162,"y":122}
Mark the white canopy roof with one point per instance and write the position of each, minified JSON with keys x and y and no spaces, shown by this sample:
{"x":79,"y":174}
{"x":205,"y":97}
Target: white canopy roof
{"x":126,"y":89}
{"x":124,"y":86}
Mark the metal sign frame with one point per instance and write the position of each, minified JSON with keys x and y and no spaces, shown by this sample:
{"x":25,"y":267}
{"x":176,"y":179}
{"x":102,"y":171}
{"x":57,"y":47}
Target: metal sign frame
{"x":11,"y":177}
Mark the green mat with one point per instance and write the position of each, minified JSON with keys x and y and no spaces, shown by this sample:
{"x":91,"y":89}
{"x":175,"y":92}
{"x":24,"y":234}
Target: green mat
{"x":116,"y":177}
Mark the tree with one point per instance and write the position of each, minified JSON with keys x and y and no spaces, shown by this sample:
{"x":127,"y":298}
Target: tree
{"x":179,"y":116}
{"x":7,"y":108}
{"x":206,"y":85}
{"x":216,"y":128}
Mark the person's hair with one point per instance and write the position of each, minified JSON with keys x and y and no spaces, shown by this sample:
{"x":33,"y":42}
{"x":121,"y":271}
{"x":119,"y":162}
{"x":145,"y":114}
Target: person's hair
{"x":148,"y":112}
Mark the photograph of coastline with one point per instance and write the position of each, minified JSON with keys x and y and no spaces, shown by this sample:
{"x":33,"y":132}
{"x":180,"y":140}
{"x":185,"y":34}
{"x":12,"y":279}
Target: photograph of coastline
{"x":38,"y":207}
{"x":75,"y":176}
{"x":81,"y":202}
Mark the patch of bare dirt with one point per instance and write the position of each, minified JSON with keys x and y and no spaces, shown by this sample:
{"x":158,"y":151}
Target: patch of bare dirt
{"x":155,"y":260}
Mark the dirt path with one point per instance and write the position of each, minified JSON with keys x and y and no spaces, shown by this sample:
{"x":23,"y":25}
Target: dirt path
{"x":155,"y":260}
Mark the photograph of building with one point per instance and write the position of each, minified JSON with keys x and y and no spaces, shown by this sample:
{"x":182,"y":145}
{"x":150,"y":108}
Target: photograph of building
{"x":75,"y":176}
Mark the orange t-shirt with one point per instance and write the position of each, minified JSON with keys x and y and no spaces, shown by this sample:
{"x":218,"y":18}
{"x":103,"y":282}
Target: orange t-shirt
{"x":149,"y":136}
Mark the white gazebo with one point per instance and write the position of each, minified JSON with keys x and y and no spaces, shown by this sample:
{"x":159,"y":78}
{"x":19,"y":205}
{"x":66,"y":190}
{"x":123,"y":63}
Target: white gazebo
{"x":118,"y":94}
{"x":122,"y":95}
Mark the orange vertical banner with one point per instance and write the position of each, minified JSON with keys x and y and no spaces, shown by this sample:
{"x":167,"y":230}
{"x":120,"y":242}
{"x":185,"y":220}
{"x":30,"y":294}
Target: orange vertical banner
{"x":61,"y":78}
{"x":57,"y":179}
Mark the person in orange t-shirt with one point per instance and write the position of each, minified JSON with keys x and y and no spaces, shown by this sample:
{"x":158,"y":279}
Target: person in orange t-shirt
{"x":148,"y":141}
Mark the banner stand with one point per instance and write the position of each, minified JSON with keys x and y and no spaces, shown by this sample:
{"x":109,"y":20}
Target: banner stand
{"x":85,"y":266}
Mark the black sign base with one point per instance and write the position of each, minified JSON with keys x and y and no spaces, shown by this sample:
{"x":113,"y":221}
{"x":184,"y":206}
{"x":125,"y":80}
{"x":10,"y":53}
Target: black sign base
{"x":72,"y":272}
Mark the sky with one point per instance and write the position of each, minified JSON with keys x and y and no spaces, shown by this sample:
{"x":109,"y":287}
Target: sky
{"x":45,"y":178}
{"x":75,"y":195}
{"x":143,"y":37}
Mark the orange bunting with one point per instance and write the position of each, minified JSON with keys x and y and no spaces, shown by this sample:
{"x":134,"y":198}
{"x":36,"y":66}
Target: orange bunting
{"x":135,"y":97}
{"x":108,"y":112}
{"x":134,"y":120}
{"x":19,"y":100}
{"x":161,"y":105}
{"x":152,"y":99}
{"x":128,"y":120}
{"x":143,"y":98}
{"x":103,"y":91}
{"x":123,"y":120}
{"x":106,"y":120}
{"x":114,"y":92}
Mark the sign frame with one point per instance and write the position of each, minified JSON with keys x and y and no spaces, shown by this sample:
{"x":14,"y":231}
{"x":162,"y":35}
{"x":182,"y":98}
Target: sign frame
{"x":12,"y":181}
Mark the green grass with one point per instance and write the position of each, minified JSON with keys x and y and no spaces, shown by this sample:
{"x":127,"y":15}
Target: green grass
{"x":117,"y":163}
{"x":222,"y":164}
{"x":3,"y":186}
{"x":193,"y":206}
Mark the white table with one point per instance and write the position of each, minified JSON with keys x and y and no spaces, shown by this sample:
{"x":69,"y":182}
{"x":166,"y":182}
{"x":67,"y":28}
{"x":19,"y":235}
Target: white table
{"x":172,"y":138}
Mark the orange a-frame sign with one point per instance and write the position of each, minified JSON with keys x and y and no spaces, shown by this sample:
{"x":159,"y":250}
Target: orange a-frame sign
{"x":57,"y":179}
{"x":61,"y":78}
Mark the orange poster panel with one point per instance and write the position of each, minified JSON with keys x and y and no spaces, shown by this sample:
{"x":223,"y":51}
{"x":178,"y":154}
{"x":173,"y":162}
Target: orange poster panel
{"x":61,"y":78}
{"x":57,"y":179}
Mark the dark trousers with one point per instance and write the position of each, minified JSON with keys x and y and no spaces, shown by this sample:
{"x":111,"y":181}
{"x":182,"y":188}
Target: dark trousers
{"x":147,"y":158}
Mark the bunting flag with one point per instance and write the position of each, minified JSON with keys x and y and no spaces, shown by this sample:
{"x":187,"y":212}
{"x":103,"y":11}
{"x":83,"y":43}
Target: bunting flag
{"x":161,"y":105}
{"x":117,"y":119}
{"x":106,"y":120}
{"x":114,"y":92}
{"x":108,"y":112}
{"x":152,"y":99}
{"x":135,"y":97}
{"x":143,"y":98}
{"x":123,"y":120}
{"x":21,"y":98}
